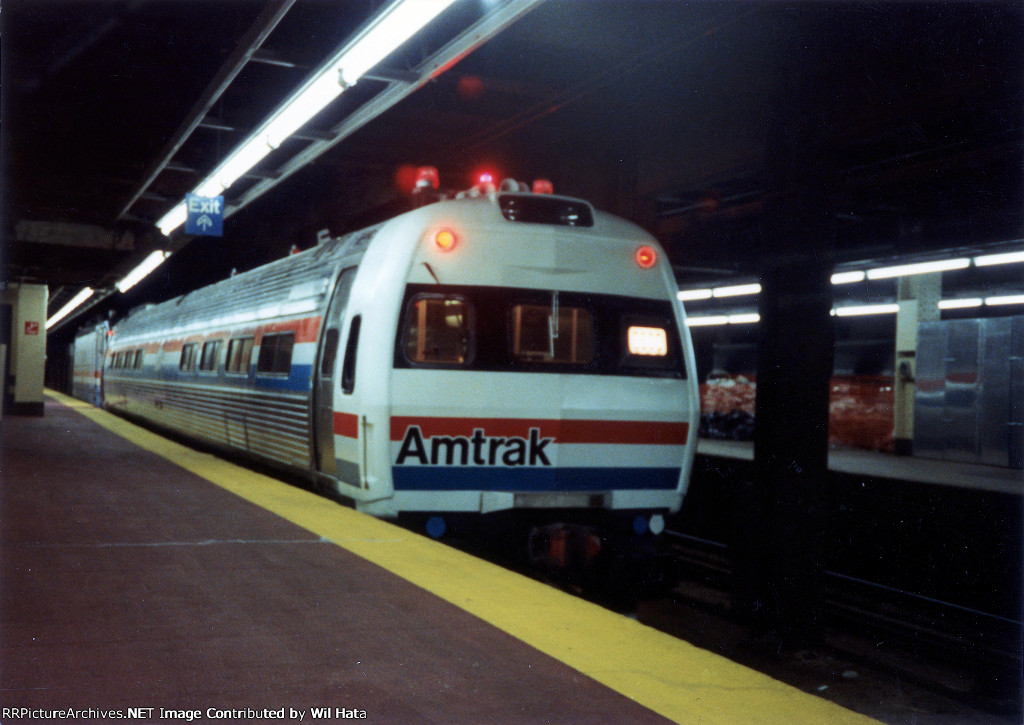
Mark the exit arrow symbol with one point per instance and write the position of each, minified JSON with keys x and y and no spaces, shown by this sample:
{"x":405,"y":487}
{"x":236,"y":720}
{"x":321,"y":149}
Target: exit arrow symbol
{"x":204,"y":222}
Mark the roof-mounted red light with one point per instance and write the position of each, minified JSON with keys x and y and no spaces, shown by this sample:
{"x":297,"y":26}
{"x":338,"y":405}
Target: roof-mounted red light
{"x":645,"y":256}
{"x":427,"y":178}
{"x":543,"y":186}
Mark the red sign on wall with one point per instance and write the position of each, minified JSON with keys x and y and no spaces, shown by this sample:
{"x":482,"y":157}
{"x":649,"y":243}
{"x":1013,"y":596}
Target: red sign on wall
{"x":31,"y":328}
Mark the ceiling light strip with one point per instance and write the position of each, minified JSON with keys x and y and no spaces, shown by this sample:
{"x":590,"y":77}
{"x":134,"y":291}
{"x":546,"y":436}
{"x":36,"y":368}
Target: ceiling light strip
{"x":904,"y":270}
{"x":744,"y":319}
{"x":848,"y":277}
{"x":693,"y":294}
{"x":859,"y":310}
{"x":707,"y":320}
{"x":959,"y":304}
{"x":1005,"y":300}
{"x":988,"y":260}
{"x":70,"y":307}
{"x":737,"y":290}
{"x":154,"y":260}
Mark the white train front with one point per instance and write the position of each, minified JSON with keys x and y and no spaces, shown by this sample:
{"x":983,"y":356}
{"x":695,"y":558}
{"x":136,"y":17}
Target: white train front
{"x":493,"y":352}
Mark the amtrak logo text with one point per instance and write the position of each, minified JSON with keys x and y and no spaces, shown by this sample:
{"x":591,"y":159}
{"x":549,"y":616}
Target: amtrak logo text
{"x":477,"y":450}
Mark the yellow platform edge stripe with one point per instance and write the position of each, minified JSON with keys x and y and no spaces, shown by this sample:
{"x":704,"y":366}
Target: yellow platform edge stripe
{"x":665,"y":674}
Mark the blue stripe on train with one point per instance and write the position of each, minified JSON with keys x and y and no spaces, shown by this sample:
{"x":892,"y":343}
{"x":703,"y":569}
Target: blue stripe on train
{"x":298,"y":380}
{"x":470,"y":478}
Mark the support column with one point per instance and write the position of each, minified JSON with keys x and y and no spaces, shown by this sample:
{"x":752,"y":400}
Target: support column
{"x":786,"y":521}
{"x":795,"y":357}
{"x":918,"y":297}
{"x":27,"y":304}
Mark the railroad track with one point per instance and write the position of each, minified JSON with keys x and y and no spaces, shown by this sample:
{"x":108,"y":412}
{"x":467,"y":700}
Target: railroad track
{"x":857,"y":611}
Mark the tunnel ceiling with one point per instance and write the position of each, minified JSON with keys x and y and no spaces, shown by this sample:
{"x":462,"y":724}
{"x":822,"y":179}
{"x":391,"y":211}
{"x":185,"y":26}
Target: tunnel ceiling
{"x":905,"y":119}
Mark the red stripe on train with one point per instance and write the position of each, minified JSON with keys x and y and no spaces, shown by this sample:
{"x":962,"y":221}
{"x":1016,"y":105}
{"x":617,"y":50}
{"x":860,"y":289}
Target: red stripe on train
{"x":306,"y":330}
{"x":636,"y":432}
{"x":346,"y":424}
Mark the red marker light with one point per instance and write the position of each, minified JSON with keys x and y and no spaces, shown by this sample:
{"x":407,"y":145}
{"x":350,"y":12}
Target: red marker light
{"x":427,"y":178}
{"x":445,"y":240}
{"x":645,"y":256}
{"x":485,"y":178}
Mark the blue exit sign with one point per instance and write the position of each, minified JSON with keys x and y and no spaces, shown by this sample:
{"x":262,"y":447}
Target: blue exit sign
{"x":205,"y":215}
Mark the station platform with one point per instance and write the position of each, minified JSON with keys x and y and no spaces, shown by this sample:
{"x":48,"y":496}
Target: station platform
{"x":144,"y":578}
{"x":876,"y":464}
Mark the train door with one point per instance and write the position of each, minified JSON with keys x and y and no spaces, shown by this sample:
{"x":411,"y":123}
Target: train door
{"x":326,"y":375}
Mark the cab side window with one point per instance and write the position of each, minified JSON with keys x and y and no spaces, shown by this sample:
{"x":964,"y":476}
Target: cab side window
{"x":438,"y":330}
{"x":348,"y":366}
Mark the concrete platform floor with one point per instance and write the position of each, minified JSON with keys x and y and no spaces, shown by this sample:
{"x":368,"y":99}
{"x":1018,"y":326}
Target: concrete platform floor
{"x":138,"y":573}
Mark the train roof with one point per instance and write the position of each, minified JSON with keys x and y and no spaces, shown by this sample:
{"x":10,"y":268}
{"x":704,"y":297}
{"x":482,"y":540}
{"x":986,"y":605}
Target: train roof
{"x":288,"y":286}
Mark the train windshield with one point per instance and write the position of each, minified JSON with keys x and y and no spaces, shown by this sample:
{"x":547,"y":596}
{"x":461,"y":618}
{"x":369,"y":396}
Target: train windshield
{"x":522,"y":330}
{"x":552,"y":334}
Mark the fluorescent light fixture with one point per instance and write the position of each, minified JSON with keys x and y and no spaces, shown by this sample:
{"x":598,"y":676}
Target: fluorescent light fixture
{"x":848,"y":277}
{"x":67,"y":309}
{"x":741,"y":319}
{"x":744,"y":319}
{"x":1005,"y":300}
{"x":737,"y":290}
{"x":1007,"y":258}
{"x":173,"y":219}
{"x":390,"y":29}
{"x":903,"y":270}
{"x":857,"y":310}
{"x":693,"y":294}
{"x":308,"y":102}
{"x":234,"y":166}
{"x":150,"y":263}
{"x":958,"y":304}
{"x":707,"y":320}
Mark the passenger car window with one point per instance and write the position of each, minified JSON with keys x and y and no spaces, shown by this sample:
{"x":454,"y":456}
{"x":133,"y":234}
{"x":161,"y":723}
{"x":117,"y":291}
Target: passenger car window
{"x":276,"y":353}
{"x":208,"y":361}
{"x":437,"y":330}
{"x":188,"y":357}
{"x":239,"y":355}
